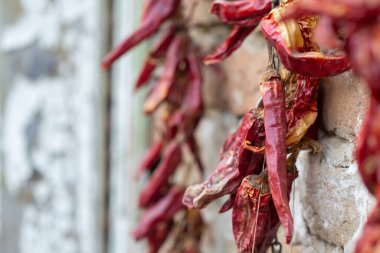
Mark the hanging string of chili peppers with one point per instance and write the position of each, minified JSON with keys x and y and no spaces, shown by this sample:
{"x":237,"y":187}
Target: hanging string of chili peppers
{"x":257,"y":166}
{"x":177,"y":98}
{"x":257,"y":162}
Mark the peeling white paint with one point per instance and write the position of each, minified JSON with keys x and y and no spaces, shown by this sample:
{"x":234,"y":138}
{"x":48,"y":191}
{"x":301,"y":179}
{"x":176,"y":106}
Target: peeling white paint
{"x":53,"y":170}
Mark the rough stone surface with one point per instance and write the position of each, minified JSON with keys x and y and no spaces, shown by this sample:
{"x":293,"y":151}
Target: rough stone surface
{"x":333,"y":201}
{"x":347,"y":95}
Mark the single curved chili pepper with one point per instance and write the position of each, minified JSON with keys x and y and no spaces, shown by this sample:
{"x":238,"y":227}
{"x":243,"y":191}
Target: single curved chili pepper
{"x":233,"y":42}
{"x":241,"y":12}
{"x":150,"y":158}
{"x":161,"y":91}
{"x":192,"y":104}
{"x":158,"y":13}
{"x":147,"y":8}
{"x":273,"y":94}
{"x":157,"y":51}
{"x":158,"y":235}
{"x":369,"y":242}
{"x":286,"y":38}
{"x":228,"y":204}
{"x":162,"y":211}
{"x":303,"y":111}
{"x":193,"y":146}
{"x":251,"y":212}
{"x":237,"y":163}
{"x":171,"y":158}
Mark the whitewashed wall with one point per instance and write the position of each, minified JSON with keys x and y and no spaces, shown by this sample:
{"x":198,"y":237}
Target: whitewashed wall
{"x":52,"y":126}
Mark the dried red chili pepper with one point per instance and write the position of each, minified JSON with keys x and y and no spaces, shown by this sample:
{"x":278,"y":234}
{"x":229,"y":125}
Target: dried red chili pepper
{"x":170,"y":160}
{"x":241,"y":12}
{"x":237,"y":163}
{"x":369,"y":242}
{"x":157,"y":51}
{"x":192,"y":104}
{"x":228,"y":144}
{"x":162,"y":211}
{"x":286,"y":38}
{"x":158,"y":235}
{"x":193,"y":146}
{"x":273,"y":94}
{"x":158,"y":13}
{"x":161,"y":91}
{"x":346,"y":11}
{"x":251,"y":213}
{"x":233,"y":42}
{"x":150,"y":158}
{"x":302,"y":111}
{"x":368,"y":148}
{"x":228,"y":204}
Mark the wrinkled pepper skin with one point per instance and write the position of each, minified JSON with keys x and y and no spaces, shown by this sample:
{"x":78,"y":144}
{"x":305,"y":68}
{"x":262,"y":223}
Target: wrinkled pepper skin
{"x":162,"y":211}
{"x":302,"y":113}
{"x":237,"y":163}
{"x":158,"y":13}
{"x":170,"y":160}
{"x":273,"y":93}
{"x":286,"y":38}
{"x":241,"y":12}
{"x":369,"y":242}
{"x":161,"y":90}
{"x":156,"y":53}
{"x":233,"y":42}
{"x":251,"y":213}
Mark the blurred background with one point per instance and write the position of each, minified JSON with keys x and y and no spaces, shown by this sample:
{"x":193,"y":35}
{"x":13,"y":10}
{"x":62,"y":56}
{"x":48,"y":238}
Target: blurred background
{"x":70,"y":134}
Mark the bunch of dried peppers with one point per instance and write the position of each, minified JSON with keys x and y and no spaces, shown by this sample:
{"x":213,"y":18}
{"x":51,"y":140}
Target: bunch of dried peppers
{"x":257,"y":161}
{"x":177,"y":98}
{"x":257,"y":166}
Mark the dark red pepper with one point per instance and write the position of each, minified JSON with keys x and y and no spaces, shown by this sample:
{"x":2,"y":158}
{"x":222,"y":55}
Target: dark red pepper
{"x":157,"y":51}
{"x":150,"y":158}
{"x":229,"y":203}
{"x":192,"y":104}
{"x":170,"y":160}
{"x":160,"y":92}
{"x":162,"y":211}
{"x":233,"y":42}
{"x":251,"y":213}
{"x":241,"y":12}
{"x":273,"y":94}
{"x":369,"y":242}
{"x":287,"y":39}
{"x":158,"y":13}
